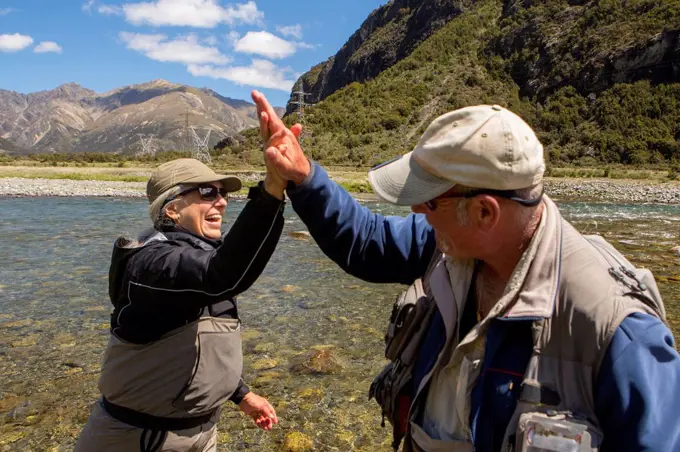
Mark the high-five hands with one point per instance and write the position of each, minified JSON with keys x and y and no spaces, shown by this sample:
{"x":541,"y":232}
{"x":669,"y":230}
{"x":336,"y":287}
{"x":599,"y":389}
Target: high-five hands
{"x":283,"y":154}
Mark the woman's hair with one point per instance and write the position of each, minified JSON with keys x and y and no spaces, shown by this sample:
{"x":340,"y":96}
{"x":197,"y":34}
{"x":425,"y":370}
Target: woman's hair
{"x":157,"y":208}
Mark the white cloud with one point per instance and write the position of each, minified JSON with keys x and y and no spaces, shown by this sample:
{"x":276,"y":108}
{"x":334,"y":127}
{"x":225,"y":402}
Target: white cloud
{"x":192,"y":13}
{"x":233,"y":37}
{"x":87,"y":7}
{"x":5,"y":11}
{"x":293,"y":31}
{"x":260,"y":73}
{"x":265,"y":44}
{"x":304,"y":45}
{"x":14,"y":42}
{"x":47,"y":47}
{"x":210,"y":40}
{"x":110,"y":10}
{"x":184,"y":49}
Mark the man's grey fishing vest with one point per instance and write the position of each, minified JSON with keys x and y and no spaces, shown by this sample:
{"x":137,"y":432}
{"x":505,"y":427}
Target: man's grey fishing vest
{"x":188,"y":372}
{"x":578,"y":288}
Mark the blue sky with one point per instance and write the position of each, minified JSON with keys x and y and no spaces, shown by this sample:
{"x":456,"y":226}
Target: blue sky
{"x":231,"y":47}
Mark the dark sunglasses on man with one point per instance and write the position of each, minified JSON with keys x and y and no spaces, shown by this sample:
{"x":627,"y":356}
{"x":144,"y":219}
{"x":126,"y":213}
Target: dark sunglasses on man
{"x":507,"y":194}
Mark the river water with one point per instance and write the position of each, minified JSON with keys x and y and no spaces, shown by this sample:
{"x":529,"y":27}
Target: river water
{"x":54,"y":257}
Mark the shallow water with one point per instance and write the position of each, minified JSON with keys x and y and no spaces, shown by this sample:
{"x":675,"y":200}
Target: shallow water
{"x":54,"y":320}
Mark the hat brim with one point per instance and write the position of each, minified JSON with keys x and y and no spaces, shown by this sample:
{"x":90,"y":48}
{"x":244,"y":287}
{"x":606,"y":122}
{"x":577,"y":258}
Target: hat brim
{"x":405,"y":183}
{"x":230,"y":183}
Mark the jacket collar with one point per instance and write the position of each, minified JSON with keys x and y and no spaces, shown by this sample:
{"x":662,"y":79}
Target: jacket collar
{"x":174,"y":232}
{"x":536,"y":278}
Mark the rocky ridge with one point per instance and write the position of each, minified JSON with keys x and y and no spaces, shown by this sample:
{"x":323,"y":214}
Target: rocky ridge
{"x":390,"y":33}
{"x":71,"y":118}
{"x":546,"y":45}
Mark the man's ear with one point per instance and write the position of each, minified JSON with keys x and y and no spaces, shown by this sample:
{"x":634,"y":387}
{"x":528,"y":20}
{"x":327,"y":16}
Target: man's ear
{"x":485,"y":212}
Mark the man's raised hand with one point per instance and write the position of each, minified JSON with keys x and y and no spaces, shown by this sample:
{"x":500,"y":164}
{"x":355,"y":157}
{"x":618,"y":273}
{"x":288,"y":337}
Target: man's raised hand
{"x":285,"y":155}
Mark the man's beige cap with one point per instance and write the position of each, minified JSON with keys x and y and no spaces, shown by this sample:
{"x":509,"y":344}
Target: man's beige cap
{"x":186,"y":171}
{"x":483,"y":146}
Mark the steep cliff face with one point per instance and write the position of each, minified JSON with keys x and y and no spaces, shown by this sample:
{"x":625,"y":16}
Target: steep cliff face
{"x":589,"y":45}
{"x":389,"y":34}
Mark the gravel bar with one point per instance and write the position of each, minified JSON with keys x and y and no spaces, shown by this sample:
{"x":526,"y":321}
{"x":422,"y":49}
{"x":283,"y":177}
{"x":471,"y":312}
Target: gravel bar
{"x":574,"y":189}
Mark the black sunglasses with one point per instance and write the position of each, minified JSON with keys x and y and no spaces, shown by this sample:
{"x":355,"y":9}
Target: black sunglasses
{"x":207,"y":193}
{"x":507,"y":194}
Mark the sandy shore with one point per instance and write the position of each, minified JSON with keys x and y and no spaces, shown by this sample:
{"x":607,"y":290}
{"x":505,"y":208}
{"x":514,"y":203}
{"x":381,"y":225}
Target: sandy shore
{"x":585,"y":189}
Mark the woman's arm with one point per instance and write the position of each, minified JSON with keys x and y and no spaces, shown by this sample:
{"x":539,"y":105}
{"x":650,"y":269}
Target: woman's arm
{"x":177,"y":275}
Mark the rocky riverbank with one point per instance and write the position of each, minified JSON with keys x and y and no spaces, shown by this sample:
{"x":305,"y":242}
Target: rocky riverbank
{"x":614,"y":191}
{"x":575,"y":189}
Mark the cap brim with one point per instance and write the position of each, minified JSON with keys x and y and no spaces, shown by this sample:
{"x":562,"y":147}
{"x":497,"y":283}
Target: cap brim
{"x":404,"y":182}
{"x":230,"y":183}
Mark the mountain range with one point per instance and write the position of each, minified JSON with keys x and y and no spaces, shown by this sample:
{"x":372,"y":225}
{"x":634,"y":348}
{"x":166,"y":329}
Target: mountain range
{"x":71,"y":118}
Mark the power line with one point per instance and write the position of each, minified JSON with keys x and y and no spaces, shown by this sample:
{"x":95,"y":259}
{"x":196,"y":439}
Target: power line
{"x":200,"y":149}
{"x":147,"y":147}
{"x":301,"y":104}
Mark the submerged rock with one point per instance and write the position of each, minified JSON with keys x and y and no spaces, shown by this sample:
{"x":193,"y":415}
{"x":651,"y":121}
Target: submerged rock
{"x":309,"y":304}
{"x":27,"y":341}
{"x":20,"y":411}
{"x":64,"y":340}
{"x":266,"y":347}
{"x":316,"y":362}
{"x":264,"y":364}
{"x":6,"y":403}
{"x":300,"y":235}
{"x":267,"y":377}
{"x":16,"y":323}
{"x":297,"y":442}
{"x":676,"y":251}
{"x":12,"y":437}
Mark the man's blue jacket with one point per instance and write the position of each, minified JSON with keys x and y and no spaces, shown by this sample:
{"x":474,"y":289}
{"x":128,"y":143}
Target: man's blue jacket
{"x":637,"y":394}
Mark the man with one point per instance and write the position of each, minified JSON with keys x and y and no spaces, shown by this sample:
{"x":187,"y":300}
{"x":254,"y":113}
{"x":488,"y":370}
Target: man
{"x":536,"y":328}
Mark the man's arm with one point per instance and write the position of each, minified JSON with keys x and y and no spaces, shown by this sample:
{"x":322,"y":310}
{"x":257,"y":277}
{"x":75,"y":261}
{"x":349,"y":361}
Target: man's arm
{"x":637,"y":400}
{"x":367,"y":245}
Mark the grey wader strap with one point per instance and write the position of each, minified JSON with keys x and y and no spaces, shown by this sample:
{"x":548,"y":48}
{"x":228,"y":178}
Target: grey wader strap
{"x":532,"y":391}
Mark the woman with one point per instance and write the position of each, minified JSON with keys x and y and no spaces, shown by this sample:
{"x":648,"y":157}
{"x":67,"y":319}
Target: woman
{"x":174,"y":354}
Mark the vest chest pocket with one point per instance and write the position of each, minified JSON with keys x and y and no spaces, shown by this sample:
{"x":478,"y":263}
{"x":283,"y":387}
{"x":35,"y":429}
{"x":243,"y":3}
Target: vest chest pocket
{"x":218,"y":367}
{"x":406,"y":321}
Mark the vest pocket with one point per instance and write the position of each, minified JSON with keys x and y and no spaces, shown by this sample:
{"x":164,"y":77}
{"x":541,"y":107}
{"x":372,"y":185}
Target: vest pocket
{"x":218,"y":368}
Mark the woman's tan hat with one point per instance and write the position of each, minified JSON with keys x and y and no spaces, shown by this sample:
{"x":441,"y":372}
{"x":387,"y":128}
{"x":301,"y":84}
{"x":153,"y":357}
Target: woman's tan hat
{"x":186,"y":171}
